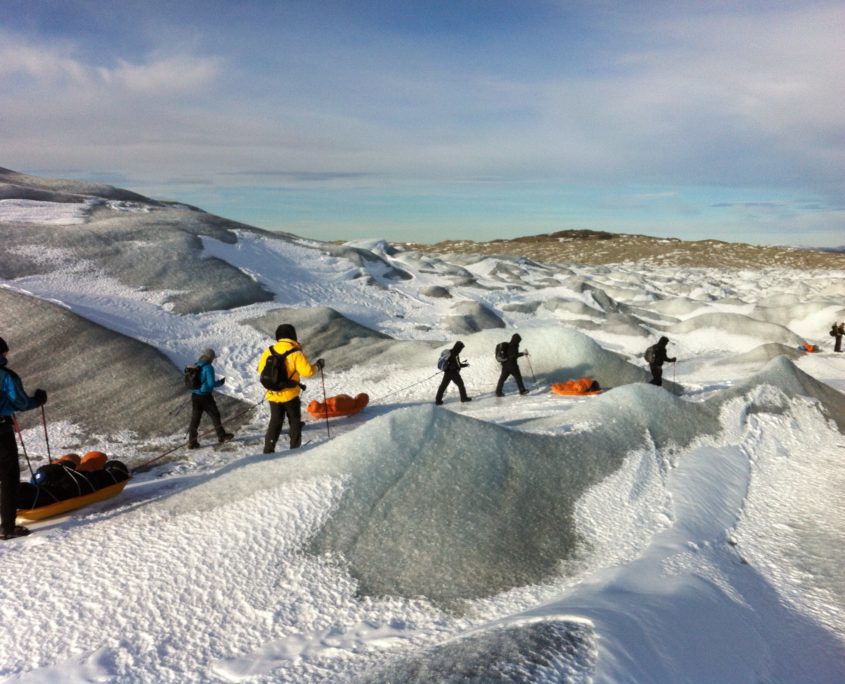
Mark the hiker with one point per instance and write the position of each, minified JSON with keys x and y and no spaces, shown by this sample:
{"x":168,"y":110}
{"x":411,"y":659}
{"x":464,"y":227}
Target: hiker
{"x":836,"y":332}
{"x":451,"y":368}
{"x":285,"y":400}
{"x":202,"y":401}
{"x":656,"y":357}
{"x":12,"y":398}
{"x":507,"y":354}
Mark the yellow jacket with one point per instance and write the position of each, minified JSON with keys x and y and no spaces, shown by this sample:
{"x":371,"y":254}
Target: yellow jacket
{"x":297,"y":365}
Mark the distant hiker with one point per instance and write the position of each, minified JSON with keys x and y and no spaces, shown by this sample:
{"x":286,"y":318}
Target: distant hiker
{"x":202,"y":400}
{"x":836,"y":332}
{"x":280,"y":368}
{"x":450,"y":363}
{"x":12,"y":398}
{"x":507,"y":354}
{"x":656,"y":356}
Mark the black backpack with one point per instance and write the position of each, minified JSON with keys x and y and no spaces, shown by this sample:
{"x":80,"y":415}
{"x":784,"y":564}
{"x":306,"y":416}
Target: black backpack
{"x":274,"y":377}
{"x":502,"y":352}
{"x":193,"y":377}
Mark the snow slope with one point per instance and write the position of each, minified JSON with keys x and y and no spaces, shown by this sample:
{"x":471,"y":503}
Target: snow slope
{"x":687,"y":533}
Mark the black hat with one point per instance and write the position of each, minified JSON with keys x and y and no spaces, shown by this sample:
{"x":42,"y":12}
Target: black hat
{"x":516,"y":338}
{"x":286,"y":332}
{"x":663,"y":341}
{"x":3,"y":346}
{"x":458,"y":346}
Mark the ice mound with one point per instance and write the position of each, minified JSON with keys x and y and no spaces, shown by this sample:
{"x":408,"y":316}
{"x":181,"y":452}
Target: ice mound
{"x":549,"y":650}
{"x":762,"y":354}
{"x":14,"y":185}
{"x":626,"y":417}
{"x":158,"y":248}
{"x":560,"y":353}
{"x":448,"y":507}
{"x":781,"y":373}
{"x":323,"y":332}
{"x":95,"y":377}
{"x":737,"y":324}
{"x":470,"y":317}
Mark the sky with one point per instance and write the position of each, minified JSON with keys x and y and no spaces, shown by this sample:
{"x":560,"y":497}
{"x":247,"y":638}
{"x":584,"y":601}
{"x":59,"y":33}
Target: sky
{"x":431,"y":120}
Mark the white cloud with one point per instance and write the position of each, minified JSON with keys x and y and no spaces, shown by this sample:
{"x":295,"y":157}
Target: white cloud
{"x":176,"y":74}
{"x":51,"y":66}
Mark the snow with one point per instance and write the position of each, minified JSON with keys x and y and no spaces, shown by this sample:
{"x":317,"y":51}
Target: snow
{"x":687,"y":533}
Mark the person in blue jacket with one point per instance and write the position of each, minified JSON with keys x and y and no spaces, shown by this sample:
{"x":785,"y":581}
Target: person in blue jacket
{"x":12,"y":398}
{"x":202,"y":401}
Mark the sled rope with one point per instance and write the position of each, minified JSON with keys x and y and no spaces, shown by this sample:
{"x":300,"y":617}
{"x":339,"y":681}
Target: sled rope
{"x":403,"y":389}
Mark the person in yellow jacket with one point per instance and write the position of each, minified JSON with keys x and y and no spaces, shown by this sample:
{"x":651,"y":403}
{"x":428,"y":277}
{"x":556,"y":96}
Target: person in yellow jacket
{"x":285,"y":401}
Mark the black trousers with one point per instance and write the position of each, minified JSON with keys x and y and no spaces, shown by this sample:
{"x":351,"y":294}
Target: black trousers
{"x":278,"y":410}
{"x":204,"y":403}
{"x":451,"y":376}
{"x":656,"y":374}
{"x":838,"y":346}
{"x":509,"y":368}
{"x":10,"y":475}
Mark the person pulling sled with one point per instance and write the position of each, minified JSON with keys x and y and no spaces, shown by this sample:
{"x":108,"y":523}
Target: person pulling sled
{"x":656,"y":356}
{"x":507,"y":354}
{"x":450,"y":363}
{"x":280,"y":368}
{"x":203,"y":383}
{"x":836,"y":332}
{"x":12,"y":398}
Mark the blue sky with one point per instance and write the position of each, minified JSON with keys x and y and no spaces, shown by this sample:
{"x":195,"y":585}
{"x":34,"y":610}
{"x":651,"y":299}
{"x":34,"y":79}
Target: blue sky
{"x":430,"y":120}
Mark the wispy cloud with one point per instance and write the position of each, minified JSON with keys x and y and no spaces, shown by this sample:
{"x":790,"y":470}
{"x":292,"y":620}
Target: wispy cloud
{"x":45,"y":64}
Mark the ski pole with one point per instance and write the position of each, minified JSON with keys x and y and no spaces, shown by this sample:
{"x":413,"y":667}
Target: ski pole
{"x":23,"y":446}
{"x":325,"y":402}
{"x":177,"y":411}
{"x":530,"y":366}
{"x":46,"y":436}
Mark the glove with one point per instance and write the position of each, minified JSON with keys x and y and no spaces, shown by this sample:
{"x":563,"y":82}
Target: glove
{"x":320,"y":363}
{"x":40,"y":397}
{"x":465,"y":364}
{"x":222,"y":381}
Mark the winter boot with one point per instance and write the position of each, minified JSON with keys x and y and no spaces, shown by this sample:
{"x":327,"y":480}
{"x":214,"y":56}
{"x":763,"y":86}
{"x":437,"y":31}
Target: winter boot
{"x":18,"y":531}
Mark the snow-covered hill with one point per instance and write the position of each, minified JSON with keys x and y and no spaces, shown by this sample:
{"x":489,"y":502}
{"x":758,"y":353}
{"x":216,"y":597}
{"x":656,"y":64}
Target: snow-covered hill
{"x":687,"y":533}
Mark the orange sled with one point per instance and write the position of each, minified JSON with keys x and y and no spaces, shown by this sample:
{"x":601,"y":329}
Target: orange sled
{"x":341,"y":405}
{"x":583,"y":387}
{"x":809,"y":348}
{"x":72,"y":504}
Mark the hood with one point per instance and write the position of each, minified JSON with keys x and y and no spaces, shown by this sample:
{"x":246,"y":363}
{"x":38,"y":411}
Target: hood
{"x":286,"y":332}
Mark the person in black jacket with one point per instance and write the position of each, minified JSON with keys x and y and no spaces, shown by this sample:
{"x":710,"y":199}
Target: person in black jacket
{"x":836,"y":332}
{"x":510,"y":366}
{"x":658,"y":358}
{"x":452,"y":373}
{"x":12,"y":398}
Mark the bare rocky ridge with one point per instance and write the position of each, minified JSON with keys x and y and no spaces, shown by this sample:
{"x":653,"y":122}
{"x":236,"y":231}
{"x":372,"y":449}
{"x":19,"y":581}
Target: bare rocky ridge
{"x":599,"y":248}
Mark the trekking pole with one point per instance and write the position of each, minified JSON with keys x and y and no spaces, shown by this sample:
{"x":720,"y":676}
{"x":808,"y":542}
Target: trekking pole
{"x":325,"y":403}
{"x":531,"y":367}
{"x":23,"y":446}
{"x":46,"y":436}
{"x":177,"y":411}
